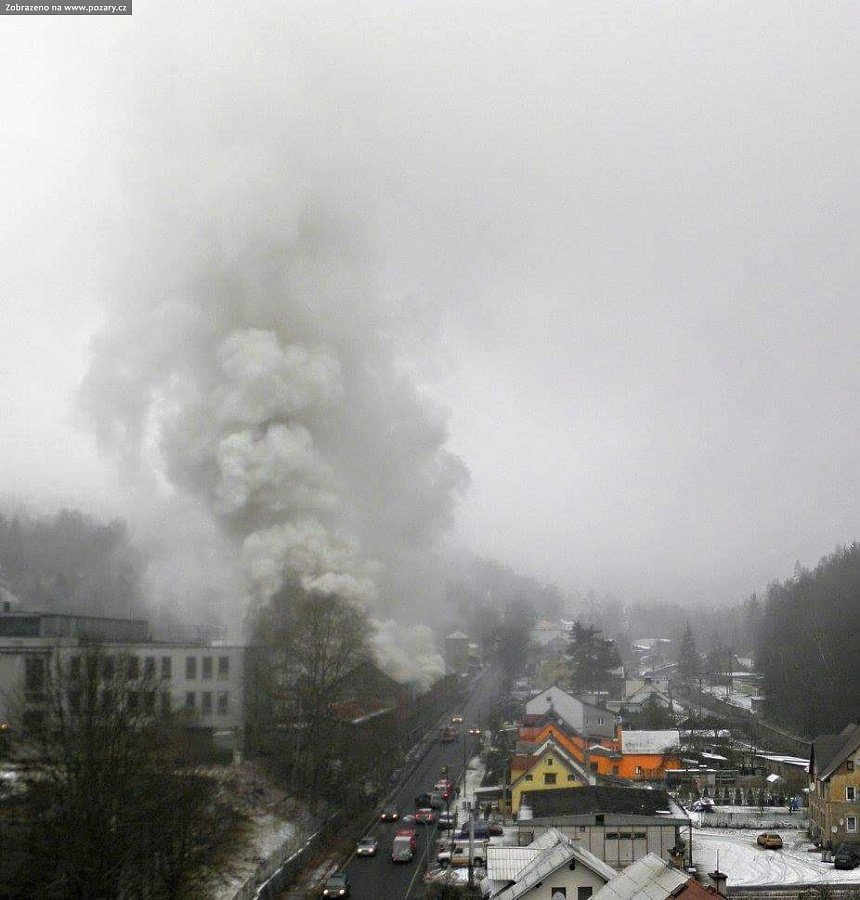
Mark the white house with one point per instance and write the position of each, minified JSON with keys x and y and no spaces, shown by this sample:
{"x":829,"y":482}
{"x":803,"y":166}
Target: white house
{"x":584,"y":718}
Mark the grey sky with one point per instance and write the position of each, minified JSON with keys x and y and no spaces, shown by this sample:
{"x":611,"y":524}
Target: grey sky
{"x":617,"y":242}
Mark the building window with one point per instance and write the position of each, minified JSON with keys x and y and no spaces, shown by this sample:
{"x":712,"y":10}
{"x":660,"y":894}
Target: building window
{"x":149,"y":667}
{"x":207,"y":668}
{"x":166,"y":667}
{"x":75,"y":668}
{"x":190,"y":667}
{"x":583,"y":893}
{"x":557,"y":892}
{"x":165,"y":703}
{"x":851,"y":824}
{"x":849,"y":765}
{"x":593,"y":767}
{"x":108,"y":668}
{"x":134,"y":667}
{"x":549,"y":778}
{"x":571,"y":777}
{"x":206,"y":702}
{"x":851,"y":793}
{"x":549,"y":760}
{"x":149,"y":701}
{"x":638,"y":770}
{"x":600,"y":721}
{"x":190,"y":704}
{"x":34,"y":674}
{"x":223,"y":666}
{"x":223,"y":703}
{"x":530,"y":778}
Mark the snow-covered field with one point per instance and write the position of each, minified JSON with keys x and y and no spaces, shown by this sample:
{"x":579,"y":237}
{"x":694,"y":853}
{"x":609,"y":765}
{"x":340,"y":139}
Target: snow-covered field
{"x":747,"y":863}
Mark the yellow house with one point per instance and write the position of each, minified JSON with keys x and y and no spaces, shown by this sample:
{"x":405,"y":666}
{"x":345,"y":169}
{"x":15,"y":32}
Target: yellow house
{"x":834,"y":795}
{"x":550,"y":768}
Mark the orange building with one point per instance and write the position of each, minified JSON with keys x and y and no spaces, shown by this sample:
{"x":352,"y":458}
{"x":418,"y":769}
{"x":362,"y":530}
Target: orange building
{"x":643,"y":756}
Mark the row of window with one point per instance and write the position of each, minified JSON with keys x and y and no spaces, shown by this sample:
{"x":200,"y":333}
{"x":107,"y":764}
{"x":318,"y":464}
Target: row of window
{"x":205,"y":707}
{"x":146,"y":700}
{"x":133,"y":667}
{"x":550,"y":778}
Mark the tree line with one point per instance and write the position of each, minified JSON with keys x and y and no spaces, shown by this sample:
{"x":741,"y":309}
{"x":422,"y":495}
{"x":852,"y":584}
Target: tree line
{"x":807,"y":645}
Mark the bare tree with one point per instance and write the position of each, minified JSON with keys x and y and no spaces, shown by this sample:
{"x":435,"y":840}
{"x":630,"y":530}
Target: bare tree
{"x":309,"y":642}
{"x":110,"y":810}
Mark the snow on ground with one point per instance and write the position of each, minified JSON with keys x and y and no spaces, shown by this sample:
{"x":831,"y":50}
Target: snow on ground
{"x":746,"y":863}
{"x":733,"y":698}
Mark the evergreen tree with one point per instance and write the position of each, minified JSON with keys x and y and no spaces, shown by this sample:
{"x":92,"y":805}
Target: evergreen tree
{"x":591,"y":658}
{"x":689,"y":661}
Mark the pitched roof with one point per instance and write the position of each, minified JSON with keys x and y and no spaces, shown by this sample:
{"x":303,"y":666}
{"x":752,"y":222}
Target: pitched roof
{"x":829,"y":751}
{"x":649,"y":741}
{"x":649,"y":878}
{"x":555,"y":850}
{"x":596,"y":799}
{"x":522,"y":762}
{"x":551,"y":745}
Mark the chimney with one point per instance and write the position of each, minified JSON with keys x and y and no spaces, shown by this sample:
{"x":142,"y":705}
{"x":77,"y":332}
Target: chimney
{"x":718,"y":881}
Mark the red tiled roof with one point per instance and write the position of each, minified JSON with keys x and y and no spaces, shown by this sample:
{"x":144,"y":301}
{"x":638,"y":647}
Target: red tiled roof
{"x":521,"y":763}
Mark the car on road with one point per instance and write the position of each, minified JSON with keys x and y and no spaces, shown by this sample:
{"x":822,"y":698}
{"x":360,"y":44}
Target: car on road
{"x":367,"y":846}
{"x":474,"y":730}
{"x":846,"y":856}
{"x":456,"y":720}
{"x":425,"y":816}
{"x":337,"y":886}
{"x":769,"y":840}
{"x":404,"y":845}
{"x":443,"y":787}
{"x":389,"y":814}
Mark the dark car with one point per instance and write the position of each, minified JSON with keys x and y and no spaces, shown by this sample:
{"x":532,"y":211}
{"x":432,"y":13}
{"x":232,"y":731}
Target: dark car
{"x":367,"y":846}
{"x":423,"y":801}
{"x":482,"y":831}
{"x":337,"y":886}
{"x":846,"y":856}
{"x":389,"y":814}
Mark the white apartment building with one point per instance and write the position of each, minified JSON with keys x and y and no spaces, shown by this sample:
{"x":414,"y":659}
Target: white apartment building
{"x":204,"y":681}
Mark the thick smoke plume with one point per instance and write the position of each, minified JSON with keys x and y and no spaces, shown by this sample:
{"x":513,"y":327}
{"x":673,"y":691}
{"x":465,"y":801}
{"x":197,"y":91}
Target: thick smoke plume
{"x":250,"y":372}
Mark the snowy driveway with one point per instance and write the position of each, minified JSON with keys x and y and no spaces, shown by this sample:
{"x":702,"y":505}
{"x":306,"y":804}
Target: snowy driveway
{"x":747,"y":863}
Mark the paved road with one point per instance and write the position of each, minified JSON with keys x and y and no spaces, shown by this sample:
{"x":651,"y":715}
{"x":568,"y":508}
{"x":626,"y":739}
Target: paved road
{"x":377,"y":878}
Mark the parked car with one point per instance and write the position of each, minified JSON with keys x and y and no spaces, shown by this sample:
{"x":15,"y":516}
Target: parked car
{"x":425,"y":816}
{"x":446,"y":820}
{"x":706,"y":804}
{"x":769,"y":840}
{"x":456,"y":853}
{"x":482,"y":831}
{"x":422,"y":800}
{"x":337,"y":886}
{"x":389,"y":814}
{"x":846,"y":856}
{"x":367,"y":846}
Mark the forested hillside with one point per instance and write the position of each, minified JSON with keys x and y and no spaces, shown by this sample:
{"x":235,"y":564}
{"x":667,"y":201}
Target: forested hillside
{"x":808,"y":646}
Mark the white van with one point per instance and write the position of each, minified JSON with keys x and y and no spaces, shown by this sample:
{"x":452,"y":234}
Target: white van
{"x":456,"y":853}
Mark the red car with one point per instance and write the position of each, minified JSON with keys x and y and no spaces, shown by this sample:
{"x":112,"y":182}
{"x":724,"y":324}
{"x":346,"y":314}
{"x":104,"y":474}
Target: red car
{"x":443,"y":787}
{"x":425,"y":816}
{"x":411,"y":833}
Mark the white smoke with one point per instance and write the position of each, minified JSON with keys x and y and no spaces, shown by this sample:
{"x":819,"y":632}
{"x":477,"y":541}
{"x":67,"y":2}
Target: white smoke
{"x":249,"y":367}
{"x":404,"y":653}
